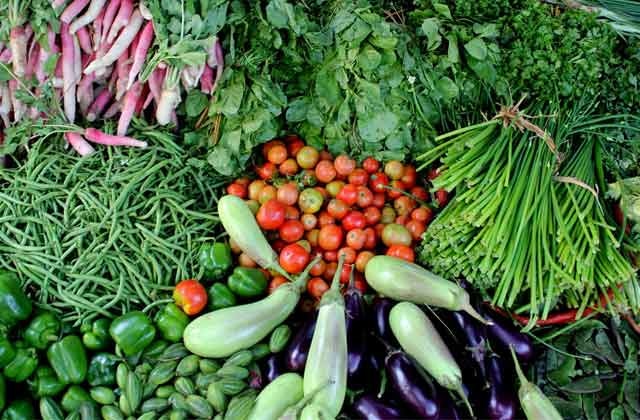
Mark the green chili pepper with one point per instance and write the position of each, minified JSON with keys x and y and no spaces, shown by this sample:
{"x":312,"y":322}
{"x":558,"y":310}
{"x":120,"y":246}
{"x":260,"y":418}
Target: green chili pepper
{"x":171,"y":322}
{"x":132,"y":332}
{"x":247,"y":282}
{"x":102,"y":369}
{"x":15,"y":306}
{"x":19,"y":410}
{"x":74,"y":397}
{"x":69,"y":359}
{"x":3,"y":393}
{"x":96,"y":334}
{"x":215,"y":260}
{"x":23,"y":364}
{"x":220,"y":296}
{"x":46,"y":383}
{"x":41,"y":330}
{"x":7,"y":350}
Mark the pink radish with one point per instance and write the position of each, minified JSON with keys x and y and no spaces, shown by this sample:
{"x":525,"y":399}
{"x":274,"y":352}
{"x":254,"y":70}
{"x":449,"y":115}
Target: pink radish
{"x":73,"y":10}
{"x":190,"y":76}
{"x":45,"y":53}
{"x":218,"y":56}
{"x":128,"y":108}
{"x":85,"y":40}
{"x":147,"y":101}
{"x":109,"y":15}
{"x":169,"y":99}
{"x":5,"y":56}
{"x":99,"y":105}
{"x":121,"y":20}
{"x":206,"y":81}
{"x":120,"y":44}
{"x":97,"y":29}
{"x":144,"y":93}
{"x":32,"y":62}
{"x":85,"y":92}
{"x":68,"y":73}
{"x":94,"y":9}
{"x":146,"y":37}
{"x":113,"y":110}
{"x":18,"y":39}
{"x":155,"y":83}
{"x":96,"y":136}
{"x":122,"y":69}
{"x":57,"y":3}
{"x":77,"y":60}
{"x":18,"y":107}
{"x":5,"y":104}
{"x":79,"y":144}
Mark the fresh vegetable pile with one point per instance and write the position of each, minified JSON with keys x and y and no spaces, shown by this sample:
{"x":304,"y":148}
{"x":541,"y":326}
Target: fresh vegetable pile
{"x":322,"y":210}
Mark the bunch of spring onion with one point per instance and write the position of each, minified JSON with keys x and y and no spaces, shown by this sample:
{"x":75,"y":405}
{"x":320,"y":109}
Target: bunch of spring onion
{"x":526,"y":219}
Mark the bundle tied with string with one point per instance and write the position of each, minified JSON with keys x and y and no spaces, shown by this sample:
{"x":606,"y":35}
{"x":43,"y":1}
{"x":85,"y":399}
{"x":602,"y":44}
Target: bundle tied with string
{"x":526,"y":225}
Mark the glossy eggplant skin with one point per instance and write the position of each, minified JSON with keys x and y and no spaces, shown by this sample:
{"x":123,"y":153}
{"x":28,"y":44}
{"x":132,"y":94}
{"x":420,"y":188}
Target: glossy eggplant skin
{"x":367,"y":407}
{"x":273,"y":367}
{"x":417,"y":393}
{"x":355,"y":311}
{"x":448,"y":410}
{"x":475,"y":339}
{"x":501,"y":398}
{"x":298,"y":349}
{"x":380,"y":318}
{"x":503,"y":334}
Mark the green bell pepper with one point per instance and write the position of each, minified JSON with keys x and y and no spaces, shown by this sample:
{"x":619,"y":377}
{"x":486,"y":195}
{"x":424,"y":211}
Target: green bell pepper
{"x":102,"y":369}
{"x":42,"y":329}
{"x":3,"y":393}
{"x":7,"y":351}
{"x":215,"y":260}
{"x":50,"y":409}
{"x":15,"y":306}
{"x":23,"y":364}
{"x":96,"y":334}
{"x":247,"y":282}
{"x":19,"y":410}
{"x":132,"y":332}
{"x":171,"y":322}
{"x":69,"y":359}
{"x":74,"y":397}
{"x":45,"y":383}
{"x":220,"y":296}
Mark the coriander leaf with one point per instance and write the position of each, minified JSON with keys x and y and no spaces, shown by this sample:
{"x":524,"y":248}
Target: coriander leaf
{"x":376,"y":126}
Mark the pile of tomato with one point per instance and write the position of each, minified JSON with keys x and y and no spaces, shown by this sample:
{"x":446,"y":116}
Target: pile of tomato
{"x":309,"y":202}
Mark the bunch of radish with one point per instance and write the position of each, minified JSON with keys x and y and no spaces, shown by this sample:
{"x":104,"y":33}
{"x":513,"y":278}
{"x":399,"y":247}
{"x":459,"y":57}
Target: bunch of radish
{"x":96,"y":56}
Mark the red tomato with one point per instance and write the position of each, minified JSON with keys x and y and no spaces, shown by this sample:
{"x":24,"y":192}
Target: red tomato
{"x":294,"y":147}
{"x":310,"y":200}
{"x":433,"y":174}
{"x":362,"y":259}
{"x":291,"y":231}
{"x":268,"y":145}
{"x":290,"y":138}
{"x":419,"y":193}
{"x":271,"y":215}
{"x":354,"y":220}
{"x":358,"y":177}
{"x":442,"y":197}
{"x":334,"y":187}
{"x":356,"y":238}
{"x":307,"y":157}
{"x":245,"y":261}
{"x":288,"y":194}
{"x":289,"y":167}
{"x":394,"y":169}
{"x":277,"y":154}
{"x":312,"y":237}
{"x":402,"y":220}
{"x":346,"y":273}
{"x":396,"y":234}
{"x":360,"y":284}
{"x":401,"y":251}
{"x":294,"y":258}
{"x":237,"y":190}
{"x":409,"y":176}
{"x":378,"y":229}
{"x":276,"y":282}
{"x":344,"y":165}
{"x":378,"y":200}
{"x":244,"y":181}
{"x":349,"y":254}
{"x":278,"y":244}
{"x":309,"y":221}
{"x":348,"y":194}
{"x":267,"y":193}
{"x":316,"y":287}
{"x":331,"y":256}
{"x":330,"y":237}
{"x":396,"y":189}
{"x":422,"y":214}
{"x":378,"y":182}
{"x":365,"y":197}
{"x":372,"y":238}
{"x":325,"y":171}
{"x":254,"y":189}
{"x":371,"y":165}
{"x":416,"y":228}
{"x":191,"y":296}
{"x":404,"y":205}
{"x":330,"y":271}
{"x":337,"y":208}
{"x":266,"y":170}
{"x":372,"y":215}
{"x":291,"y":213}
{"x":325,"y":219}
{"x":325,"y":155}
{"x":318,"y":268}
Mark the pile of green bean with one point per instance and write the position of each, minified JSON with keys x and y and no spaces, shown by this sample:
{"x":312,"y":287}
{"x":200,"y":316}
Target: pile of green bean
{"x":527,"y":232}
{"x":108,"y":232}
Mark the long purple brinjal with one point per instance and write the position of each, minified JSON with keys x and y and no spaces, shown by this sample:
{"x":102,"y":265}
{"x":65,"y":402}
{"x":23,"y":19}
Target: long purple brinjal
{"x":501,"y":397}
{"x":367,"y":407}
{"x":475,"y":339}
{"x":380,"y":318}
{"x":416,"y":392}
{"x":272,"y":368}
{"x":356,"y":332}
{"x":503,"y":335}
{"x":298,"y":349}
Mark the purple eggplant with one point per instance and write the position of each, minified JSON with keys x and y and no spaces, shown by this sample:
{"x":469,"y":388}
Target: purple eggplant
{"x":503,"y":335}
{"x":298,"y":349}
{"x":380,"y":318}
{"x":367,"y":407}
{"x":273,"y":367}
{"x":475,"y":339}
{"x":412,"y":386}
{"x":356,"y":331}
{"x":501,"y":396}
{"x":448,"y":409}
